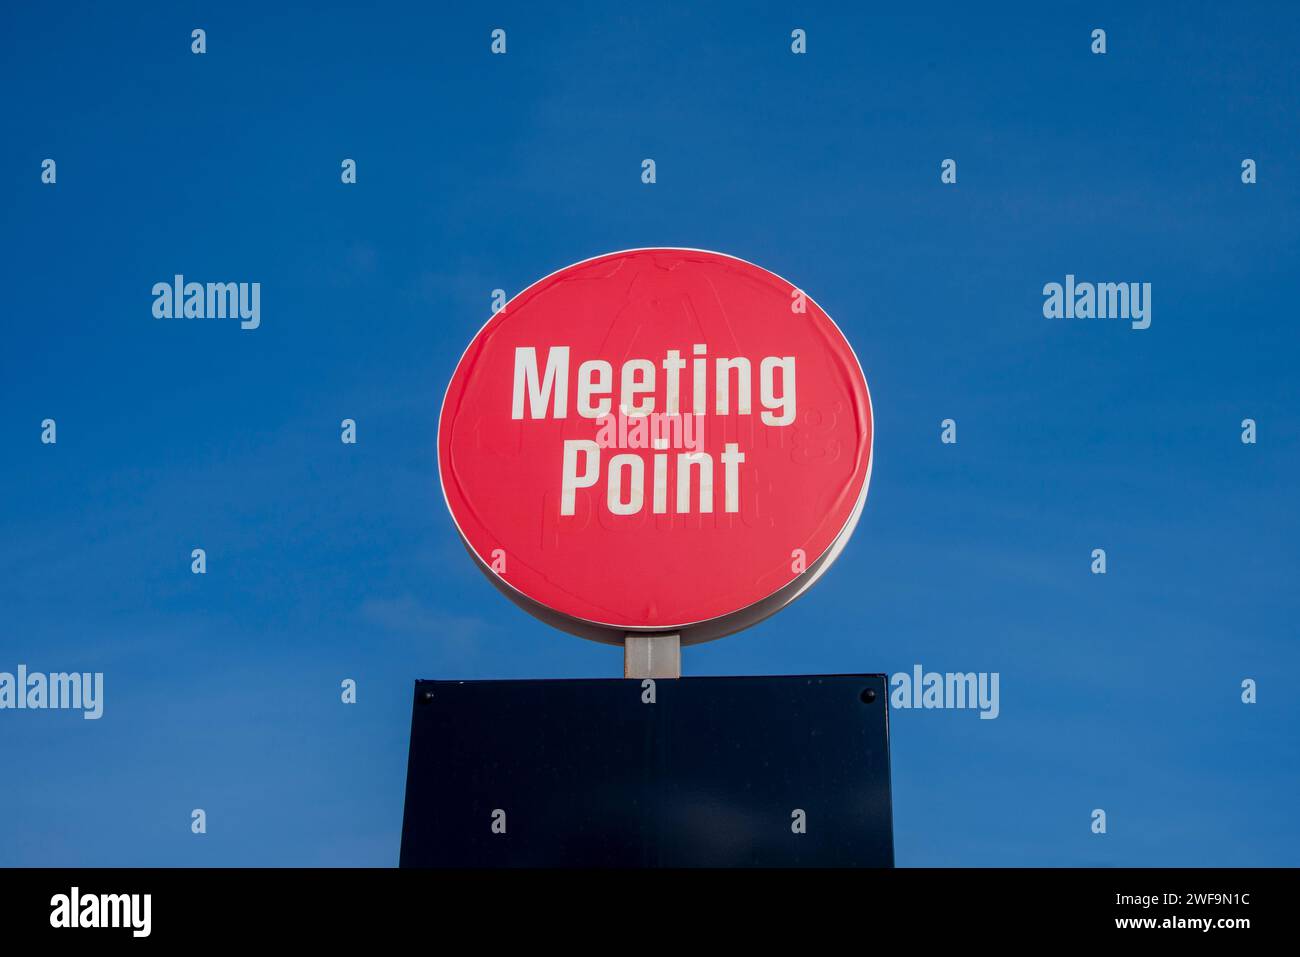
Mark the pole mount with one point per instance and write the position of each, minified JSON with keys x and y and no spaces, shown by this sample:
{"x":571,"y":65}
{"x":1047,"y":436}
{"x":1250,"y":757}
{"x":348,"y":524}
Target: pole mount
{"x":652,"y":656}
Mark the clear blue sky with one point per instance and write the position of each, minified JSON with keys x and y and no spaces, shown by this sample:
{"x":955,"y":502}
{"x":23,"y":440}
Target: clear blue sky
{"x":475,"y":171}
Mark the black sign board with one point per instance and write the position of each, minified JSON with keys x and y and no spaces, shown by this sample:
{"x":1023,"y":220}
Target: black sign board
{"x":782,"y":771}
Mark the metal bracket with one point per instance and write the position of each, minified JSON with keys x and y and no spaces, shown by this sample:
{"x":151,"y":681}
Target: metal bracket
{"x":652,"y":656}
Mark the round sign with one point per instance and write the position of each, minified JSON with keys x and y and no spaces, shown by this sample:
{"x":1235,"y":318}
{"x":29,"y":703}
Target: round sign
{"x":656,"y":440}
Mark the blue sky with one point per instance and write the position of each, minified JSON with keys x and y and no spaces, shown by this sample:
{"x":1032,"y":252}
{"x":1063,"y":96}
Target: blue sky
{"x":475,"y":171}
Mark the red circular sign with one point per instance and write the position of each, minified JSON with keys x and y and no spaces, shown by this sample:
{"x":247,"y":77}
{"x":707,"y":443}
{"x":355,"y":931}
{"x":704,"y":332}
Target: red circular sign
{"x":656,"y":440}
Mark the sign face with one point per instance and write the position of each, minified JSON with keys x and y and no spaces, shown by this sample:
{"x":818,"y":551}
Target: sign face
{"x":656,"y":440}
{"x":696,"y":772}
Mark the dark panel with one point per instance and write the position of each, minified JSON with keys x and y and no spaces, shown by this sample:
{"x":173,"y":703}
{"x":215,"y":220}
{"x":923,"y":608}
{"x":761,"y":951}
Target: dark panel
{"x":589,"y":775}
